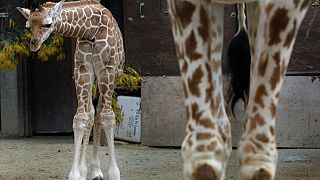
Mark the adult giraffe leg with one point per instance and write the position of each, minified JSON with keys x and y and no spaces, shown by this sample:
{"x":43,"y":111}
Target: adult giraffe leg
{"x":253,"y":14}
{"x":198,"y":34}
{"x":83,"y":119}
{"x":277,"y":30}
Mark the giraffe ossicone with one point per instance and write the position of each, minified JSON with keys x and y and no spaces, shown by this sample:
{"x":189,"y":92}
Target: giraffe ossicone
{"x":197,"y":27}
{"x":99,"y":56}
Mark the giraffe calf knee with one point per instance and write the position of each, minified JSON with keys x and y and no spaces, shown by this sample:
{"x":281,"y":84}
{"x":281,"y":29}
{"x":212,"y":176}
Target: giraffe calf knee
{"x":83,"y":121}
{"x":108,"y":120}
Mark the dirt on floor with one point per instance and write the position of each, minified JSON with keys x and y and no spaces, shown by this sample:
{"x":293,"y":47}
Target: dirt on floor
{"x":43,"y":158}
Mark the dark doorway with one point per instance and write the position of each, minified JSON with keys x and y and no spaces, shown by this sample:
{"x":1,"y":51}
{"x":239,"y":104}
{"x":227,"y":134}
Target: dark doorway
{"x":52,"y":94}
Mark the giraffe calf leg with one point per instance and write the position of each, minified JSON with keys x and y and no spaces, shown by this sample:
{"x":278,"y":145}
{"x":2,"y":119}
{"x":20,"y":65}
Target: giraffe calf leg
{"x":108,"y":123}
{"x":80,"y":126}
{"x":95,"y":164}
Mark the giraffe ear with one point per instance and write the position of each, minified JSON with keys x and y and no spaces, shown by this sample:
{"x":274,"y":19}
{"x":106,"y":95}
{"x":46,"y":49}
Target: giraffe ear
{"x":57,"y":8}
{"x":25,"y":12}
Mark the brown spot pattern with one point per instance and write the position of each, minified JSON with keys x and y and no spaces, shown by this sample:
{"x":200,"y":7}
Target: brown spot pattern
{"x":212,"y":146}
{"x":190,"y":128}
{"x":223,"y":135}
{"x":261,"y":92}
{"x":187,"y":113}
{"x":203,"y":136}
{"x":195,"y":81}
{"x":256,"y":144}
{"x":262,"y":137}
{"x":184,"y":12}
{"x":257,"y":119}
{"x":278,"y":23}
{"x":255,"y":109}
{"x":275,"y":78}
{"x":248,"y":148}
{"x":272,"y":130}
{"x":195,"y":112}
{"x":204,"y":28}
{"x":201,"y":148}
{"x":273,"y":110}
{"x":184,"y":67}
{"x":269,"y":8}
{"x":207,"y":123}
{"x":191,"y":46}
{"x":210,"y":89}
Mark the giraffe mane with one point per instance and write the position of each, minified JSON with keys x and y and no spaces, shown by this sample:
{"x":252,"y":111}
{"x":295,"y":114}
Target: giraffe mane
{"x":71,"y":4}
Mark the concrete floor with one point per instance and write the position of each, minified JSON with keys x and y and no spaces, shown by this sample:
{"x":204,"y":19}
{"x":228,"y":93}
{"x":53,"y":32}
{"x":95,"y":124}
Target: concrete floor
{"x":51,"y":158}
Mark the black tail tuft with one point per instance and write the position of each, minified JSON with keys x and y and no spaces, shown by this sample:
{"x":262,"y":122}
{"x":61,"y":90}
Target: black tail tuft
{"x":239,"y":62}
{"x":95,"y":99}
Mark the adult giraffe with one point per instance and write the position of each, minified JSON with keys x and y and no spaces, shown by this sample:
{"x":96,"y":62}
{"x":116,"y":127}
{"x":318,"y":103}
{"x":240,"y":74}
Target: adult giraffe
{"x":99,"y":55}
{"x":197,"y":27}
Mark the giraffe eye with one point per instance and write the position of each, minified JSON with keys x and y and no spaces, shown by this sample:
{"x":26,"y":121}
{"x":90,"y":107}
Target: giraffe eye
{"x":47,"y":25}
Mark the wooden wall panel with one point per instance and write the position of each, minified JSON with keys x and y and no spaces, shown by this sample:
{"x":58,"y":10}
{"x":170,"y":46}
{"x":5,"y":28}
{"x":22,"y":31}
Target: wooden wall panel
{"x":149,"y":42}
{"x":298,"y":123}
{"x":306,"y":52}
{"x":230,"y":28}
{"x":150,"y":48}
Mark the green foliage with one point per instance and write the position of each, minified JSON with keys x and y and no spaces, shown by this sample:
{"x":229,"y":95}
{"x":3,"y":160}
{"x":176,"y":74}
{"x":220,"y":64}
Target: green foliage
{"x":129,"y":80}
{"x":116,"y":108}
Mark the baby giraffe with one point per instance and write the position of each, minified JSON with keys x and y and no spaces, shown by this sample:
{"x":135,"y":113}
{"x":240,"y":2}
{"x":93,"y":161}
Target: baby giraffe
{"x":99,"y":55}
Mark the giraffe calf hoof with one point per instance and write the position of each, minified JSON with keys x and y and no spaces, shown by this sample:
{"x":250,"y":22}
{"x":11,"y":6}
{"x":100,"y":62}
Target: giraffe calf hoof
{"x":262,"y":174}
{"x":98,"y":178}
{"x":205,"y":172}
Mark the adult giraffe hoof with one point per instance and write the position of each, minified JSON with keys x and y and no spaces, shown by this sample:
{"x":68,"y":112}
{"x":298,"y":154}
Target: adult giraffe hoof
{"x":254,"y":172}
{"x":204,"y":172}
{"x":204,"y":168}
{"x":98,"y":178}
{"x":262,"y":174}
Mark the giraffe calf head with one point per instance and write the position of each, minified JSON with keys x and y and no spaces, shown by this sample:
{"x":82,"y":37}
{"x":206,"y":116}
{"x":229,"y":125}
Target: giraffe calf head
{"x":41,"y":21}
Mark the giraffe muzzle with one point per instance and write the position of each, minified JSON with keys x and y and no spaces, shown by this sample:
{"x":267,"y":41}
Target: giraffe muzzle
{"x":34,"y":42}
{"x":34,"y":45}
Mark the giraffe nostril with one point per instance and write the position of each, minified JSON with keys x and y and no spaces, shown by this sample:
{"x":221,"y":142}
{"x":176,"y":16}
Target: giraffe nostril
{"x":33,"y":41}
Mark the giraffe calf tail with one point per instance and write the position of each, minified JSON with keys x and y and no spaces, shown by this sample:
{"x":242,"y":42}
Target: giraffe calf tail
{"x":238,"y":62}
{"x":95,"y":99}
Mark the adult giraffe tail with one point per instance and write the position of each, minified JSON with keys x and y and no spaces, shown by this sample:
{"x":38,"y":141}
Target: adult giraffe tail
{"x":239,"y":61}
